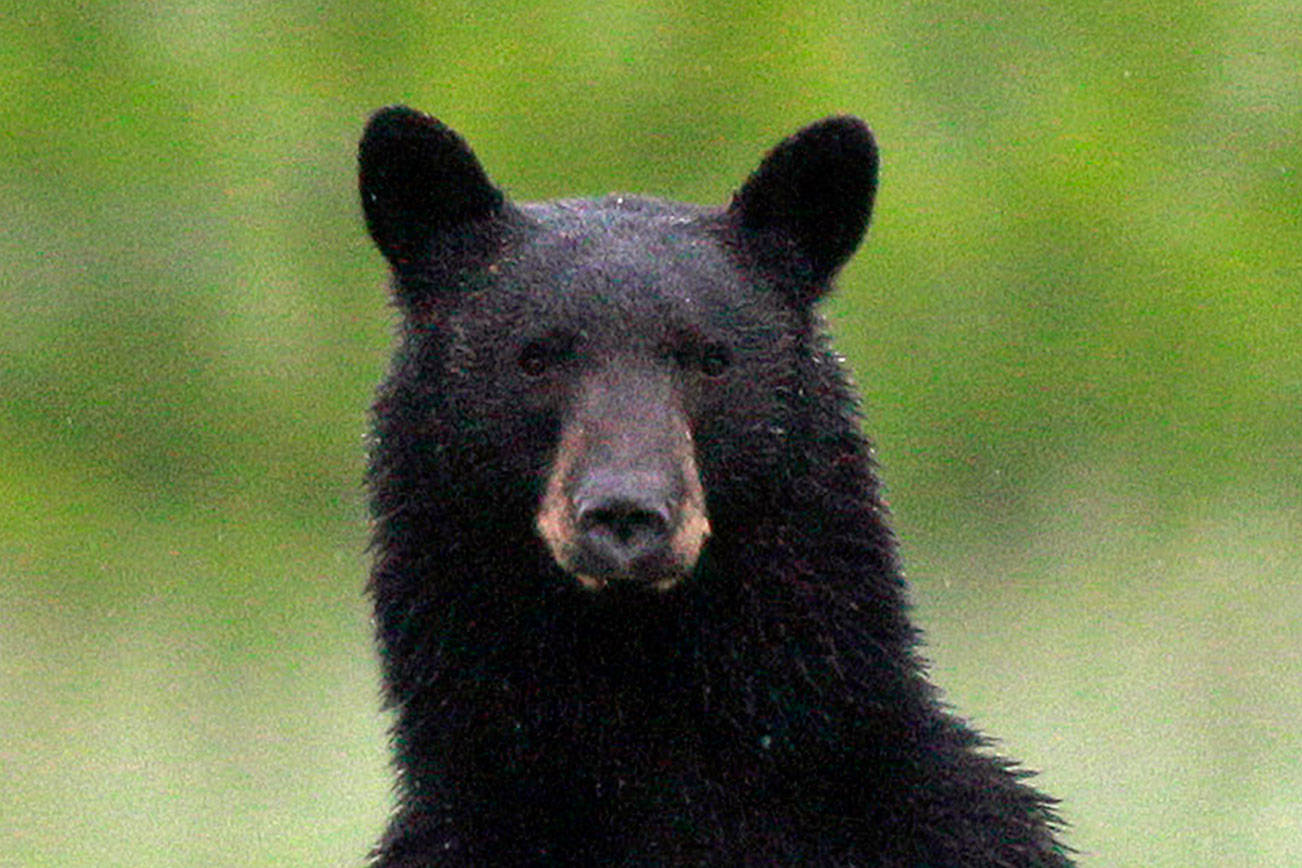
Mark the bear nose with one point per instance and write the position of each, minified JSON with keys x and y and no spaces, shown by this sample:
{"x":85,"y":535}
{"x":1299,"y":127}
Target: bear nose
{"x":624,"y":537}
{"x":631,"y":526}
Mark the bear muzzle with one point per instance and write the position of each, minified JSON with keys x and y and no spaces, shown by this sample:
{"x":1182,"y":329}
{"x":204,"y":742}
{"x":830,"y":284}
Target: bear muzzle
{"x":623,"y":500}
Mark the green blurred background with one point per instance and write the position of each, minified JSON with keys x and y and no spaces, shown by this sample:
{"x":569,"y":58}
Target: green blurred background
{"x":1077,"y":325}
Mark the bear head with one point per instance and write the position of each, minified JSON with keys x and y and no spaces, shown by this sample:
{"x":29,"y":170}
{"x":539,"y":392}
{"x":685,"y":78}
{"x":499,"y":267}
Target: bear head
{"x":624,"y":374}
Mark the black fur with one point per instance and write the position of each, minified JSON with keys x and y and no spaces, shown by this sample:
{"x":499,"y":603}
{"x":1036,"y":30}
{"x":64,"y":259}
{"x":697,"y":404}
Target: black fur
{"x":770,"y":709}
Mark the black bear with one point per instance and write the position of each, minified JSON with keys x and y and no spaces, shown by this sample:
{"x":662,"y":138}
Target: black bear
{"x":636,"y":596}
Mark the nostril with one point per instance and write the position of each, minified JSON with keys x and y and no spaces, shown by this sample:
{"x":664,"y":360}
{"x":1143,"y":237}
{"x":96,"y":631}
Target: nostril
{"x":628,"y":526}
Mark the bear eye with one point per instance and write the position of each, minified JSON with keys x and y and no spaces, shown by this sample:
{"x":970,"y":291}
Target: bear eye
{"x":715,"y":359}
{"x":535,"y":359}
{"x":545,"y":352}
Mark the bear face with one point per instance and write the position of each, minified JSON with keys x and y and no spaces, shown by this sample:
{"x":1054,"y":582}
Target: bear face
{"x":599,"y":345}
{"x":636,"y":595}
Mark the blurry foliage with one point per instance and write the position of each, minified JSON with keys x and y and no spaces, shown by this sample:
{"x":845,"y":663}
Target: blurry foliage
{"x":1081,"y":288}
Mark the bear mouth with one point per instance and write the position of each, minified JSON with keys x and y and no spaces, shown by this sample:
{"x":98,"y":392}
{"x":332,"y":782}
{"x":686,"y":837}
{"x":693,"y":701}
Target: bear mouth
{"x":596,"y":584}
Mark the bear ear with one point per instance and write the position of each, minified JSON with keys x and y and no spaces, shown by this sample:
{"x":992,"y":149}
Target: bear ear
{"x":418,"y":178}
{"x":805,"y":209}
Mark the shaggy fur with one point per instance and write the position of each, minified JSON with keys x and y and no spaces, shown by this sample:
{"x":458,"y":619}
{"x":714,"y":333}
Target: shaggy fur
{"x":768,"y":706}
